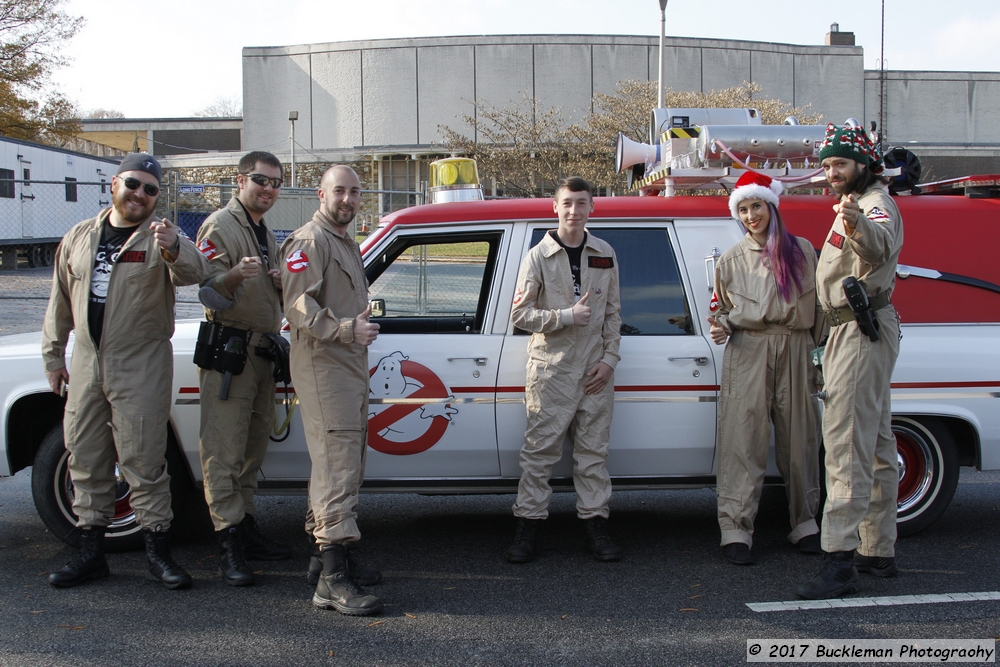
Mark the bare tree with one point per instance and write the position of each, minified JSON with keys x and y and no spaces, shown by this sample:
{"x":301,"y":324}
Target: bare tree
{"x":222,"y":107}
{"x":30,"y":33}
{"x":527,"y":149}
{"x":104,"y":113}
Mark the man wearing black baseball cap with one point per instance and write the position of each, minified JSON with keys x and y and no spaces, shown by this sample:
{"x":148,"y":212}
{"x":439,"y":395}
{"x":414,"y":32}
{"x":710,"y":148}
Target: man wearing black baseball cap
{"x":113,"y":284}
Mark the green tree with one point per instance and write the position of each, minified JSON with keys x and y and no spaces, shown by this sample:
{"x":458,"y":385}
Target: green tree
{"x":31,"y":32}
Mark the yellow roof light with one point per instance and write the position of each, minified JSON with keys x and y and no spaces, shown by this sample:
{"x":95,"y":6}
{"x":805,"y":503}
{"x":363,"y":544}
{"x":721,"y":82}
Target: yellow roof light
{"x":455,"y":179}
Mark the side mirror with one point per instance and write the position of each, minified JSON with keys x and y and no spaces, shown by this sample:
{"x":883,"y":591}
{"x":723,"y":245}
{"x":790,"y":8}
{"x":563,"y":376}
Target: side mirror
{"x":378,"y":307}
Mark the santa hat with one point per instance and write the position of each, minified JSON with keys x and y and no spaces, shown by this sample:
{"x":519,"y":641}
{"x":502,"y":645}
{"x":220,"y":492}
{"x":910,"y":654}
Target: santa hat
{"x":752,"y":185}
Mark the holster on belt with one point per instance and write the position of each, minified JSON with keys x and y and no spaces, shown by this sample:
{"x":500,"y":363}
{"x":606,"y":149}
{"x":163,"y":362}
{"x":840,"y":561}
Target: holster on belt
{"x":846,"y":315}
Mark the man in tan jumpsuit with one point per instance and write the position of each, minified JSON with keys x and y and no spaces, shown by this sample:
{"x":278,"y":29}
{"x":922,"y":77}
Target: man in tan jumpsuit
{"x":113,"y":284}
{"x":861,"y":468}
{"x":326,"y":303}
{"x":567,"y":297}
{"x":242,"y":254}
{"x":766,"y":376}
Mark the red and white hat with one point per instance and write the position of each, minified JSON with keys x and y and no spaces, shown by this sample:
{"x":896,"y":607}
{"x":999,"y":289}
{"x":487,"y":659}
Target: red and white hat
{"x":754,"y":186}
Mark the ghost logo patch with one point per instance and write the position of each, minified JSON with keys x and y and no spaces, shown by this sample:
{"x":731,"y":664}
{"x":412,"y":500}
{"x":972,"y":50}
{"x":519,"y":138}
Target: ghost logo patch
{"x":878,"y":215}
{"x":713,"y":305}
{"x":517,"y":297}
{"x":601,"y":262}
{"x":208,"y":249}
{"x":297,"y":262}
{"x":836,"y":240}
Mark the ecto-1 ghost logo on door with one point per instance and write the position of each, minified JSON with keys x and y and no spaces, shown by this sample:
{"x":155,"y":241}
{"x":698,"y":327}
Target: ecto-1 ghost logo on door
{"x":409,"y":426}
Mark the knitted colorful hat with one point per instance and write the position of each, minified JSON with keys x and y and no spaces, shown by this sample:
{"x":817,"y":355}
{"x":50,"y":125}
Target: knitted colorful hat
{"x":752,"y":185}
{"x":853,"y":143}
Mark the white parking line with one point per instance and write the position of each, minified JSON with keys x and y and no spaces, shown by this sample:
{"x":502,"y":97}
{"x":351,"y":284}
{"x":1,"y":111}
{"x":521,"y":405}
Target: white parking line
{"x":887,"y":601}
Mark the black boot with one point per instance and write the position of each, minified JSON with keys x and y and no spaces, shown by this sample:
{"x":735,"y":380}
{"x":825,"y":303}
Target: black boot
{"x":363,"y":576}
{"x":525,"y":541}
{"x":87,"y":564}
{"x":336,"y":588}
{"x":598,"y":541}
{"x":837,"y":578}
{"x":232,"y":563}
{"x":880,"y":566}
{"x":162,"y":567}
{"x":258,"y":547}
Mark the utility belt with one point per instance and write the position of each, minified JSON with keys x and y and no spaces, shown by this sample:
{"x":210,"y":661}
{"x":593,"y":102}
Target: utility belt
{"x":845,"y":315}
{"x":224,"y":349}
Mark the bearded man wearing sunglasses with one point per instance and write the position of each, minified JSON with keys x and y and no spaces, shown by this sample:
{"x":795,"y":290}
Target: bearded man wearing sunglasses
{"x":242,"y":298}
{"x":113,"y":284}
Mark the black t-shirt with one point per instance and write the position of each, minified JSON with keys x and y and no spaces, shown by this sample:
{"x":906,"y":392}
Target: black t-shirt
{"x":112,"y":240}
{"x":260,"y":231}
{"x":575,"y":256}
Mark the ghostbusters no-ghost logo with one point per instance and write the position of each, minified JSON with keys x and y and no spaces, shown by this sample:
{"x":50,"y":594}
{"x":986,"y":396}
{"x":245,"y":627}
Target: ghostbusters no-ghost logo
{"x":713,"y":305}
{"x":406,"y":428}
{"x":208,"y":248}
{"x":297,"y":262}
{"x":518,"y":296}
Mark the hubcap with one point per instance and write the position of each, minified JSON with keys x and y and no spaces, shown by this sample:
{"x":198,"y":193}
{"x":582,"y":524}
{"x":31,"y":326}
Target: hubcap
{"x":915,"y":462}
{"x":123,"y":519}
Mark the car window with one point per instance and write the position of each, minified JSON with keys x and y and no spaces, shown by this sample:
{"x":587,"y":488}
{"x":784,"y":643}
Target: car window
{"x":437,"y":284}
{"x":652,"y":293}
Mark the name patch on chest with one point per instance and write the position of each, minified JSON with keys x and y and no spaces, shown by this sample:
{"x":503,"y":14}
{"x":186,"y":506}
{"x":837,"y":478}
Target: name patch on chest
{"x":134,"y":256}
{"x":836,"y":240}
{"x":601,"y":262}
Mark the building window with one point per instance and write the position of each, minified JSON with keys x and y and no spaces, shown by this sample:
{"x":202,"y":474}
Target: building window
{"x":70,"y":189}
{"x":27,"y":176}
{"x":7,"y":183}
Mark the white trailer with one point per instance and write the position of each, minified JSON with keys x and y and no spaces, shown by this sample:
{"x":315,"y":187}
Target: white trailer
{"x":43,"y":192}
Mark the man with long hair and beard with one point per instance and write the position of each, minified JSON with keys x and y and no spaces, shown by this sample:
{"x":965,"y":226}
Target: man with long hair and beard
{"x":859,"y":519}
{"x":765,"y":304}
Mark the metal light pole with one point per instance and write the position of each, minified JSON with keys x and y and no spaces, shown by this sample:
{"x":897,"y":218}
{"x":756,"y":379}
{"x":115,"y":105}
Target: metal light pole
{"x":292,"y":117}
{"x":663,"y":36}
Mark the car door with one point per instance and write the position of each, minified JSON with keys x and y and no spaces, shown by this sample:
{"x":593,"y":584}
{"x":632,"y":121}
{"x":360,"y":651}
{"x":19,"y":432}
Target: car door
{"x":665,"y":384}
{"x":434,"y":364}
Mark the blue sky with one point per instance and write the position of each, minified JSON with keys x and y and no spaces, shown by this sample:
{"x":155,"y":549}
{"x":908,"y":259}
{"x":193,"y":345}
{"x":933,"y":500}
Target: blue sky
{"x":191,"y":50}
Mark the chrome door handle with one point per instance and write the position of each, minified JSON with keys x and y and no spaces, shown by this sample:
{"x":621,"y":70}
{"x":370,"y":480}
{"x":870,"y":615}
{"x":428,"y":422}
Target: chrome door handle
{"x":480,"y":361}
{"x":701,"y":361}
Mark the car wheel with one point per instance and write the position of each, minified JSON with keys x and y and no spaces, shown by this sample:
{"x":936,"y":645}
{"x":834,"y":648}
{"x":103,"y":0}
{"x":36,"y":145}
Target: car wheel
{"x":928,"y":472}
{"x":52,"y":490}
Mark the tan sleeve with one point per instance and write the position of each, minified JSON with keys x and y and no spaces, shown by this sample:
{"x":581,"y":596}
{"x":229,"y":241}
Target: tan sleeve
{"x":525,"y":313}
{"x":874,"y":240}
{"x":212,"y":245}
{"x":301,"y":291}
{"x":612,"y":329}
{"x":725,"y":302}
{"x":59,"y":315}
{"x":190,"y":267}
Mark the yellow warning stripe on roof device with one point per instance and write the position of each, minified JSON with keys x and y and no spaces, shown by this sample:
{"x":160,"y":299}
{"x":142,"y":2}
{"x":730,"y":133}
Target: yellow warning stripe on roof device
{"x":680,"y":133}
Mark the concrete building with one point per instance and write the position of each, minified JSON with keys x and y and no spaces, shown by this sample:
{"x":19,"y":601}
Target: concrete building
{"x":164,"y":136}
{"x":386,"y":98}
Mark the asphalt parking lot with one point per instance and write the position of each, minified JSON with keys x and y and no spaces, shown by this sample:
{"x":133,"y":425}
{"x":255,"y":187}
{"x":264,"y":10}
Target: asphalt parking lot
{"x":450,"y":597}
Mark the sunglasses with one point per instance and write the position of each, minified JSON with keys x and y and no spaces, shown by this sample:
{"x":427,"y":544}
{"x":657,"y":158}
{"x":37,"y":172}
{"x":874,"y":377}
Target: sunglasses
{"x":262,"y":180}
{"x":134,"y":183}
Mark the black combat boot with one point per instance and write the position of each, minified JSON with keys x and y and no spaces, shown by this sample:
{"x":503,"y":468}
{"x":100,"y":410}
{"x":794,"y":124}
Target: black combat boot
{"x":336,"y":588}
{"x":162,"y":567}
{"x":87,"y":564}
{"x":232,"y":563}
{"x":880,"y":566}
{"x":598,"y":541}
{"x":838,"y":577}
{"x":525,"y":541}
{"x":258,"y":547}
{"x":363,"y":576}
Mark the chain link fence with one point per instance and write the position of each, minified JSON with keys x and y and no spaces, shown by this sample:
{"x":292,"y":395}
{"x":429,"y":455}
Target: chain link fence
{"x":35,"y":215}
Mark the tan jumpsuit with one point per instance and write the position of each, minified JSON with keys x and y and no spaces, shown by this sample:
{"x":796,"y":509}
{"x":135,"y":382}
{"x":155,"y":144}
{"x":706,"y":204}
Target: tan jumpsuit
{"x":325,"y":289}
{"x":559,"y":356}
{"x":235,"y":432}
{"x":767,"y":379}
{"x":118,"y":400}
{"x":861,"y":470}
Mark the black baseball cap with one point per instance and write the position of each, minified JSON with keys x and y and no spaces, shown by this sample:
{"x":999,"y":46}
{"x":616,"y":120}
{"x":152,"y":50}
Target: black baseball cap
{"x":141,"y":162}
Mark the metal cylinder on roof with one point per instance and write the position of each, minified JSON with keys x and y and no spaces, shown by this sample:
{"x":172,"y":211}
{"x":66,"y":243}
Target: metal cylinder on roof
{"x":760,"y":142}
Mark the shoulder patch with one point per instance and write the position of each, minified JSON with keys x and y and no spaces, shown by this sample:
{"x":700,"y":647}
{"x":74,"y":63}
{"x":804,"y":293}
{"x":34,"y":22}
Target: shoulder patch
{"x":877,"y":215}
{"x":208,"y":249}
{"x":713,"y":305}
{"x":297,"y":262}
{"x":518,"y":296}
{"x":836,"y":240}
{"x":601,"y":262}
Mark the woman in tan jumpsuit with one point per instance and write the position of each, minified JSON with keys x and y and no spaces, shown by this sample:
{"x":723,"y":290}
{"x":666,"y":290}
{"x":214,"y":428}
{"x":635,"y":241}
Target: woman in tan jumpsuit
{"x":765,"y":304}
